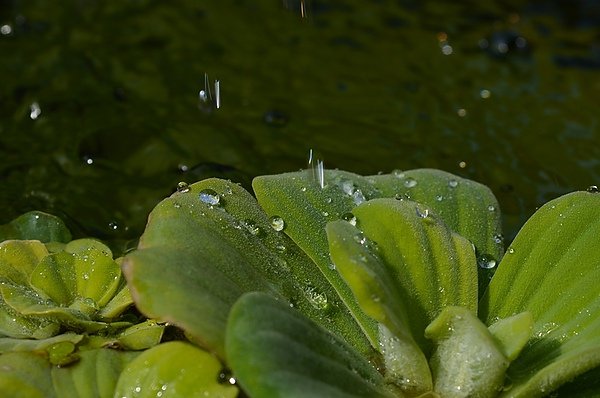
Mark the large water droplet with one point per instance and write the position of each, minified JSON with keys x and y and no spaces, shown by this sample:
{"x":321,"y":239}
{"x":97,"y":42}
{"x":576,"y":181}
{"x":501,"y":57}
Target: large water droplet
{"x":277,"y":223}
{"x":491,"y":208}
{"x":593,"y":189}
{"x":183,"y":187}
{"x":210,"y":197}
{"x":410,"y":182}
{"x":452,"y":183}
{"x":485,"y":261}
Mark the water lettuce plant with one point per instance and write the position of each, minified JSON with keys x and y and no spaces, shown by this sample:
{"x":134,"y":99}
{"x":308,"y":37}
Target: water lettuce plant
{"x":321,"y":284}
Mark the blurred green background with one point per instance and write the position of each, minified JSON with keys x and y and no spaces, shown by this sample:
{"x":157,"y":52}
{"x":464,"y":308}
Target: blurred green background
{"x":100,"y":115}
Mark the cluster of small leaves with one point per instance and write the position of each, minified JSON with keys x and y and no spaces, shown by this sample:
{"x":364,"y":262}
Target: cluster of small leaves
{"x":63,"y":312}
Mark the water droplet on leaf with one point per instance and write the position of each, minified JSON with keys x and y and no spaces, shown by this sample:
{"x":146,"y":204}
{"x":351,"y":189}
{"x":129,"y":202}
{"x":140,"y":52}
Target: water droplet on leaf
{"x":486,"y":262}
{"x":316,"y":298}
{"x":410,"y":182}
{"x":210,"y":197}
{"x":349,"y":217}
{"x":277,"y":223}
{"x":183,"y":187}
{"x":593,"y":189}
{"x":452,"y":183}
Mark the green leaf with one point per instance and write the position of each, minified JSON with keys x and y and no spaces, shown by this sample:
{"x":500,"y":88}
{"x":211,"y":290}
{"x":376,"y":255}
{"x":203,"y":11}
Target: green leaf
{"x":513,"y":333}
{"x":36,"y":225}
{"x":213,"y":243}
{"x":467,"y":207}
{"x":23,"y":345}
{"x":25,"y":375}
{"x":95,"y":374}
{"x":467,"y":361}
{"x":18,"y":258}
{"x":551,"y":270}
{"x":141,"y":336}
{"x":172,"y":370}
{"x":276,"y":352}
{"x":422,"y":264}
{"x":306,"y":207}
{"x":372,"y":283}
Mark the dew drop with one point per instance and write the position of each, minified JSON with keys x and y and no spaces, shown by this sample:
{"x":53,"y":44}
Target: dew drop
{"x":252,"y":227}
{"x":280,"y":248}
{"x":225,"y":376}
{"x":360,"y":238}
{"x":486,"y":262}
{"x":452,"y":183}
{"x":86,"y":276}
{"x":210,"y":197}
{"x":277,"y":223}
{"x":331,"y":266}
{"x":410,"y":182}
{"x":183,"y":187}
{"x":398,"y":173}
{"x":498,"y":238}
{"x":316,"y":298}
{"x":511,"y":250}
{"x":439,"y":198}
{"x":349,"y":217}
{"x":423,"y":213}
{"x":176,"y":205}
{"x":113,"y":225}
{"x":593,"y":189}
{"x":492,"y":208}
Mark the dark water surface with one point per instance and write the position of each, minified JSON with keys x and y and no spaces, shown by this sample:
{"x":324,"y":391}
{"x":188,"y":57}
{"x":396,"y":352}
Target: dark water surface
{"x":100,"y":115}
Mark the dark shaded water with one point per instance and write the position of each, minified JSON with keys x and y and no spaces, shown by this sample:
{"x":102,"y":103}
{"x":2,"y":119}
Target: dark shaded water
{"x":100,"y":116}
